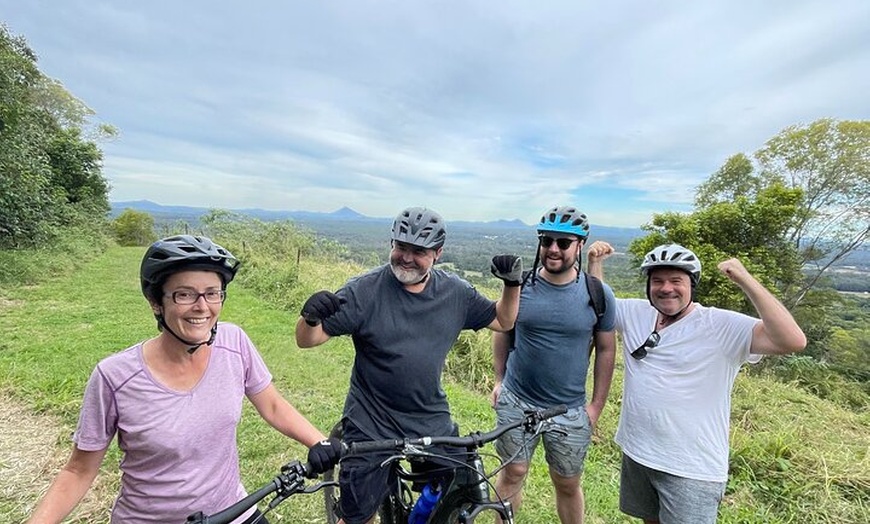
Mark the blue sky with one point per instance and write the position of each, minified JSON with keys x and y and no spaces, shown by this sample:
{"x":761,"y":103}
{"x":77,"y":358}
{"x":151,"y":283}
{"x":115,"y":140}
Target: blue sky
{"x":481,"y":110}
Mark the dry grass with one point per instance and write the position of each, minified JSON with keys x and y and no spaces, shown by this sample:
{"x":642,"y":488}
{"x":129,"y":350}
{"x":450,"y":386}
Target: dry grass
{"x":32,"y":451}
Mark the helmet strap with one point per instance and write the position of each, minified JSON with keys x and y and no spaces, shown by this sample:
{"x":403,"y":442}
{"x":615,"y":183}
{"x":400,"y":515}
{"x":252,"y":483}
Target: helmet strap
{"x":676,"y":315}
{"x":193,"y":345}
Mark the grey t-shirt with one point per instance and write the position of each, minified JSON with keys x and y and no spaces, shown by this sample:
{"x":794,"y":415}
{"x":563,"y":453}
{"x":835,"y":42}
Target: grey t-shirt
{"x":550,"y":358}
{"x":401,"y":341}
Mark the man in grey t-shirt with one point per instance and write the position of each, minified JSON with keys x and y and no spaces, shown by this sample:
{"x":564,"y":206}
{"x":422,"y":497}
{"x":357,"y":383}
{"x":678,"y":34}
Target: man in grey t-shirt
{"x":545,"y":364}
{"x":403,"y":317}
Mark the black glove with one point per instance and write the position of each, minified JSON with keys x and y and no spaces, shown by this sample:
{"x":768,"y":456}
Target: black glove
{"x":508,"y":268}
{"x":320,"y":305}
{"x":324,"y":455}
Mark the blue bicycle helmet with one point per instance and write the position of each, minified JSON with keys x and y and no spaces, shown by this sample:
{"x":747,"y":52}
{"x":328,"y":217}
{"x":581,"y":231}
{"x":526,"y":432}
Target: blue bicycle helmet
{"x":419,"y":227}
{"x":564,"y":219}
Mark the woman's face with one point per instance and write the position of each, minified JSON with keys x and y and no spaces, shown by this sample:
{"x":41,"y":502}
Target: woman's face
{"x":192,"y":321}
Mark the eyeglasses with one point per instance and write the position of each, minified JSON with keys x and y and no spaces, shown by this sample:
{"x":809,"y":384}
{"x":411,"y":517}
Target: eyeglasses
{"x":563,"y":243}
{"x":186,"y":298}
{"x":651,"y":341}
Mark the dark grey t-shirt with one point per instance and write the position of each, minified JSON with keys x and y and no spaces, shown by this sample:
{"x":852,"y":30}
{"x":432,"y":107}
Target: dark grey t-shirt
{"x":401,"y":342}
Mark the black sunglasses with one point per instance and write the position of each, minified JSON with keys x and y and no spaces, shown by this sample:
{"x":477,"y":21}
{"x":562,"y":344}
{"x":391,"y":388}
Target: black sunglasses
{"x":563,"y":243}
{"x":651,"y":341}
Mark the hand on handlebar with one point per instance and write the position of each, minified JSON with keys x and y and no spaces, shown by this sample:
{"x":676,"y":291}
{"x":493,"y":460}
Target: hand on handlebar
{"x":324,"y":455}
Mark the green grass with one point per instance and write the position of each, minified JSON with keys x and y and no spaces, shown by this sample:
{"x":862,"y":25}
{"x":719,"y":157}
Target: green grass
{"x":795,"y":458}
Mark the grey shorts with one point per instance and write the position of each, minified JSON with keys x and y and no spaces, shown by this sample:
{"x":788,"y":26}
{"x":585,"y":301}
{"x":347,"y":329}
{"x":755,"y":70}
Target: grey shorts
{"x":650,"y":494}
{"x":566,"y":437}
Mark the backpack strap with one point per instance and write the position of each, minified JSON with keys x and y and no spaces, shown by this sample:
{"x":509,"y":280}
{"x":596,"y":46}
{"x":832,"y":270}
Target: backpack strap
{"x":596,"y":297}
{"x":596,"y":300}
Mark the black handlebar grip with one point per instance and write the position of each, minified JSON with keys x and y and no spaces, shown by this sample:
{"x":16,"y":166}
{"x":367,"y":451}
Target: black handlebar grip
{"x":355,"y":448}
{"x":553,"y":411}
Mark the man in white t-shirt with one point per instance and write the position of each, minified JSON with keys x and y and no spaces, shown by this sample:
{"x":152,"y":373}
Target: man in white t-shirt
{"x":681,"y":359}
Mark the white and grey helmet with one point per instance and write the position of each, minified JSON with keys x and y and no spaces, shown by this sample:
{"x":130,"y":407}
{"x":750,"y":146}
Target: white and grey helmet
{"x":673,"y":255}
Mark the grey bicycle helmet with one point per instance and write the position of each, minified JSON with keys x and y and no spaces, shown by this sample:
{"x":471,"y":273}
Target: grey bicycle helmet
{"x":673,"y":255}
{"x":564,"y":219}
{"x":184,"y":252}
{"x":419,"y":227}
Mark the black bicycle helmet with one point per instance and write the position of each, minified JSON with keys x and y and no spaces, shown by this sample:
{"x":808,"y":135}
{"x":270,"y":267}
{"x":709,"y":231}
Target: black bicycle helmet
{"x":184,"y":252}
{"x":564,"y":219}
{"x":419,"y":227}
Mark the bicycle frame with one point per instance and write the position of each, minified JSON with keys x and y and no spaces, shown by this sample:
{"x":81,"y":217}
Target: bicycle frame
{"x":466,"y":494}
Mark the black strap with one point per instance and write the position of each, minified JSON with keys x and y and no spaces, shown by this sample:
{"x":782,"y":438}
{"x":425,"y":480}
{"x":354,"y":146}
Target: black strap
{"x":596,"y":300}
{"x":596,"y":297}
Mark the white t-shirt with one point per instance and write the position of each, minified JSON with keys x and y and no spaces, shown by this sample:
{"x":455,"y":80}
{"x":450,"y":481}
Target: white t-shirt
{"x":676,"y":402}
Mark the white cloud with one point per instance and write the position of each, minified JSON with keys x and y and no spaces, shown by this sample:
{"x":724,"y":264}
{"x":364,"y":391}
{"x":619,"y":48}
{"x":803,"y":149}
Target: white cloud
{"x":480,"y":110}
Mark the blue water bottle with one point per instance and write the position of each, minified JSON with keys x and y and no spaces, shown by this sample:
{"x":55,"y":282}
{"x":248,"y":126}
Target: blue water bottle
{"x":425,"y":502}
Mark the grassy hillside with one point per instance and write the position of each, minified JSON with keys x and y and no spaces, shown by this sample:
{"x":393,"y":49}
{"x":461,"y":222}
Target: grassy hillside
{"x":795,"y":458}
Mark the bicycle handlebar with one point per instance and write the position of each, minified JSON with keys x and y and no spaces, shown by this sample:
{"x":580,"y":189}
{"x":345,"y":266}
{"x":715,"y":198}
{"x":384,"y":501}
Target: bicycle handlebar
{"x":291,"y":480}
{"x":474,"y":440}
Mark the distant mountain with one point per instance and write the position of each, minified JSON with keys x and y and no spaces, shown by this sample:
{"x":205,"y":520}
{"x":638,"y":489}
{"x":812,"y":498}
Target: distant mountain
{"x":312,"y":219}
{"x":159,"y":210}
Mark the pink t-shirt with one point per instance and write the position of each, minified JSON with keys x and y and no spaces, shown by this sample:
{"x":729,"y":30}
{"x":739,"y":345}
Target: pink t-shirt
{"x":179,"y":448}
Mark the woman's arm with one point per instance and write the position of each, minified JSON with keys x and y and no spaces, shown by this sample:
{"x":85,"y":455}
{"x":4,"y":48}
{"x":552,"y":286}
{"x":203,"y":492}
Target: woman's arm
{"x":282,"y":416}
{"x":68,"y":488}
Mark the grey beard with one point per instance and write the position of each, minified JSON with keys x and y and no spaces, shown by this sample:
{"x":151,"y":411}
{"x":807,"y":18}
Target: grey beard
{"x":406,"y":277}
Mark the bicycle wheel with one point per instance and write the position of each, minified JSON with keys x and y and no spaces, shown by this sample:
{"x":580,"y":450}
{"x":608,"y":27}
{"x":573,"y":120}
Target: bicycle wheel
{"x":449,"y":508}
{"x":457,"y":503}
{"x":331,"y":494}
{"x":396,"y":507}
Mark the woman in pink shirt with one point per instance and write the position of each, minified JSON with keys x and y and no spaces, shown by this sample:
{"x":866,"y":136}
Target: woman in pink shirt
{"x":175,"y":401}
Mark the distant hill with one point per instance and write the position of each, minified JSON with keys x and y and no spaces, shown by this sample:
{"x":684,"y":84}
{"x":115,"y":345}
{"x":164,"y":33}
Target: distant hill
{"x":318,"y":221}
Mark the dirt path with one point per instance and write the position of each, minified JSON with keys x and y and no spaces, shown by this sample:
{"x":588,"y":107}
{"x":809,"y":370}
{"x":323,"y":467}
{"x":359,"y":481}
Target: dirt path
{"x":33,"y":448}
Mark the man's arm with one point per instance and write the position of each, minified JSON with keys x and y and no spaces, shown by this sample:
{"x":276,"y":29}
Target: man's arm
{"x":602,"y":373}
{"x":500,"y":348}
{"x":308,"y":336}
{"x":506,"y":309}
{"x":509,"y":269}
{"x":595,"y":255}
{"x":777,"y":333}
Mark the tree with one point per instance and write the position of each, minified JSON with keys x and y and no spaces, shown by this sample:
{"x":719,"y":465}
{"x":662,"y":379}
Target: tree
{"x":50,"y":175}
{"x":733,"y":180}
{"x":134,"y":228}
{"x":750,"y":228}
{"x":25,"y":198}
{"x":829,"y":161}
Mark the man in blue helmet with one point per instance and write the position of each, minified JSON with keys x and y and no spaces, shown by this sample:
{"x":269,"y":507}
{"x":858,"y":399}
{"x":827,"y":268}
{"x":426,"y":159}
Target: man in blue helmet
{"x":545,"y":362}
{"x":681,"y":359}
{"x":404,"y":317}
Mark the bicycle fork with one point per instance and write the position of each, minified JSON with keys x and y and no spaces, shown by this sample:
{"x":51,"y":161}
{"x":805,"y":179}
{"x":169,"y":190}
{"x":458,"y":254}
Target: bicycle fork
{"x":479,"y":494}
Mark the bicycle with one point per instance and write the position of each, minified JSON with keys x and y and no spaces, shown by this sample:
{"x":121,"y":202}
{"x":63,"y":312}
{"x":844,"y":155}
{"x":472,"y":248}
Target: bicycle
{"x":467,"y":492}
{"x":290,"y":481}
